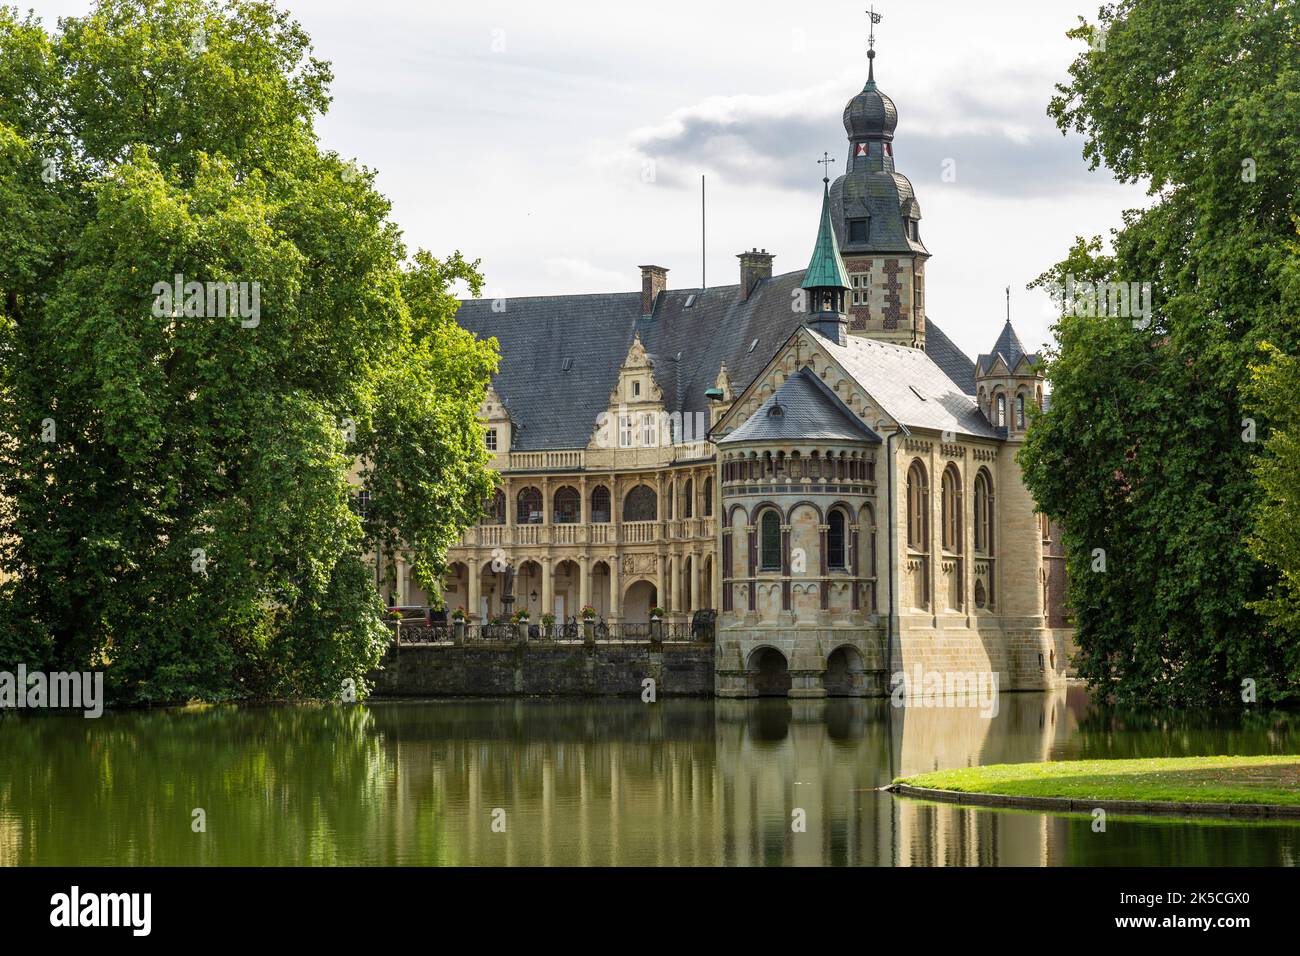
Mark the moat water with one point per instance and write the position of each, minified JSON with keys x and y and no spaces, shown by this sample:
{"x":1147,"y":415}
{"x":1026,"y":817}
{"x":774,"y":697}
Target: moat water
{"x":603,"y":782}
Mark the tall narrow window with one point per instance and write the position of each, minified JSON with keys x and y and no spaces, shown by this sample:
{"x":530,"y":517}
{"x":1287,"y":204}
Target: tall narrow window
{"x":649,"y":431}
{"x":490,"y":439}
{"x":770,"y":542}
{"x":688,"y":499}
{"x":982,"y":501}
{"x":1020,"y":411}
{"x":835,"y":537}
{"x":495,"y":509}
{"x":708,"y":497}
{"x":1001,"y":420}
{"x":951,"y":507}
{"x":529,"y":510}
{"x":600,"y":513}
{"x":625,"y":431}
{"x":918,"y":504}
{"x":641,"y":504}
{"x":568,"y":504}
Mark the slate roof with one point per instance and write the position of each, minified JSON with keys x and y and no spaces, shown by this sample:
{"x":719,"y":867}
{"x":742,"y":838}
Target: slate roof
{"x":554,"y":409}
{"x":808,"y":411}
{"x":910,"y":386}
{"x":871,"y":187}
{"x":948,"y":357}
{"x":1008,"y":346}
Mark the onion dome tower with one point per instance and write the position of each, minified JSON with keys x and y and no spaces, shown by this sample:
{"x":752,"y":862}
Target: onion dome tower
{"x":877,"y":222}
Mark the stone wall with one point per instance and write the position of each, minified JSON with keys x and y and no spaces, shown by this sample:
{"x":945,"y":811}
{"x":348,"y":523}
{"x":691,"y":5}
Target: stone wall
{"x":605,"y":670}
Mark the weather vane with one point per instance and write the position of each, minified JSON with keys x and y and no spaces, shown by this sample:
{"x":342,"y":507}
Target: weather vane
{"x":826,"y":161}
{"x":875,"y":18}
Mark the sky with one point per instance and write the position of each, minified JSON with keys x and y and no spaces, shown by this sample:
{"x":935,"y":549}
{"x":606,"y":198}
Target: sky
{"x":562,"y":143}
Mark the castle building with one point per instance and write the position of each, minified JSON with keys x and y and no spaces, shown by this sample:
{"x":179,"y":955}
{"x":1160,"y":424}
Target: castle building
{"x":807,"y":453}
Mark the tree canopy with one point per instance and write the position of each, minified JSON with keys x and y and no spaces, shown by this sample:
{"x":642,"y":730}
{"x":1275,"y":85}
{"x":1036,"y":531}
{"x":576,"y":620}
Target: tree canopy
{"x":175,"y":469}
{"x":1149,"y":452}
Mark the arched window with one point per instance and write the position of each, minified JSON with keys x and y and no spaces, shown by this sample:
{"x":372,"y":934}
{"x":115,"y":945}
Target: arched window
{"x":835,"y":541}
{"x":918,"y":508}
{"x":708,"y":497}
{"x":688,"y":504}
{"x":641,"y":504}
{"x":495,"y":508}
{"x":600,"y":512}
{"x":980,"y":598}
{"x":983,"y":513}
{"x":1020,"y":411}
{"x":951,"y":508}
{"x":769,"y":549}
{"x":568,"y":505}
{"x":1001,"y":414}
{"x":529,"y":510}
{"x":670,"y":500}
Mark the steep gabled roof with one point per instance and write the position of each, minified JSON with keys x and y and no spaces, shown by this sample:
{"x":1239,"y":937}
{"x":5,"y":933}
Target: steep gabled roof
{"x":1008,"y":348}
{"x":552,"y":408}
{"x":909,"y":386}
{"x":948,"y":357}
{"x":802,"y":409}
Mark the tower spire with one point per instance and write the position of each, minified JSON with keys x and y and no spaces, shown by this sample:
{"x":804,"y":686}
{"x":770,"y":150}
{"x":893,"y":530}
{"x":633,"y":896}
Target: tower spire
{"x":874,"y":18}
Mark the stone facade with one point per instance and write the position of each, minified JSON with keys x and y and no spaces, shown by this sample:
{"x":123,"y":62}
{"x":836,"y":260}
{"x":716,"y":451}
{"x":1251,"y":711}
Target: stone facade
{"x":880,"y":527}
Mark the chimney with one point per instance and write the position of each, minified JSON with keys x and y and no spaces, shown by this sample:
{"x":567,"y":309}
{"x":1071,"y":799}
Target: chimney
{"x":755,"y":266}
{"x":654,"y":279}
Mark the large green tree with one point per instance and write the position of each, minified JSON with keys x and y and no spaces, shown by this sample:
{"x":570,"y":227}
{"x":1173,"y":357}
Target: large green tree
{"x":177,"y":506}
{"x":1145,"y":454}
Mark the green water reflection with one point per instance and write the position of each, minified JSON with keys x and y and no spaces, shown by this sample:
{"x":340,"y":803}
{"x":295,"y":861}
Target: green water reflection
{"x":590,"y":783}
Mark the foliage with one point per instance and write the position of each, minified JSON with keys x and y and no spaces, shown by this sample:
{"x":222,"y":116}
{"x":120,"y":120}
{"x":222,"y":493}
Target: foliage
{"x":1275,"y":387}
{"x":176,"y":482}
{"x":1140,"y":455}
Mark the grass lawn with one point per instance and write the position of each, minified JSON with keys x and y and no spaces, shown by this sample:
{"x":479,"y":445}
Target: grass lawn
{"x":1272,"y":780}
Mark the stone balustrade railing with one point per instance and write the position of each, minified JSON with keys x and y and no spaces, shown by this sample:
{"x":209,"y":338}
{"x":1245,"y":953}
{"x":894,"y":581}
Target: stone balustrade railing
{"x":626,"y":532}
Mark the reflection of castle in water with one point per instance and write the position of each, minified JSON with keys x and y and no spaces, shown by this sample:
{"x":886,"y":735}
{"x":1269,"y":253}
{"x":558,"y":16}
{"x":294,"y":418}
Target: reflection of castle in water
{"x":715,"y":782}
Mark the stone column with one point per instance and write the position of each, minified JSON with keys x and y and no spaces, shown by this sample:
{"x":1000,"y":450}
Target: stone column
{"x":823,"y":589}
{"x":511,"y":505}
{"x":548,"y":588}
{"x":584,"y":582}
{"x":399,"y":594}
{"x":697,"y":572}
{"x":473,"y":597}
{"x":663,"y":574}
{"x":615,"y":590}
{"x":752,"y":556}
{"x":855,"y":568}
{"x":724,"y":569}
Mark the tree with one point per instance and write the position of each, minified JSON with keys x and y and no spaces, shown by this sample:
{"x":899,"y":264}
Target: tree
{"x":1141,"y":454}
{"x":176,"y":466}
{"x":1275,"y":386}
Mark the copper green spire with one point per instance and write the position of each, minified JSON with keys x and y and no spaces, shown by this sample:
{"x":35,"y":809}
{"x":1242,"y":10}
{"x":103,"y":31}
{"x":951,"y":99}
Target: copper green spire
{"x":826,"y":270}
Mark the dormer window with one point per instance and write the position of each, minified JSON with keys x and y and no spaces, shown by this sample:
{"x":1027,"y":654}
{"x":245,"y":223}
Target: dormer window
{"x":636,"y":389}
{"x":491,"y":439}
{"x":857,"y":230}
{"x":913,"y":230}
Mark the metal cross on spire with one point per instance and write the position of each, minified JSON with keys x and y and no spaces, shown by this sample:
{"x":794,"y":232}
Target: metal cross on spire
{"x":826,"y":161}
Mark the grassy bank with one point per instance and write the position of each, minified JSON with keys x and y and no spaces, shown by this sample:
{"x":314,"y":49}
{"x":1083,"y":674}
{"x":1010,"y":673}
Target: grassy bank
{"x":1246,"y":780}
